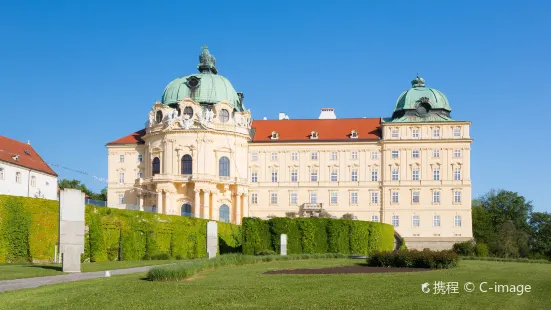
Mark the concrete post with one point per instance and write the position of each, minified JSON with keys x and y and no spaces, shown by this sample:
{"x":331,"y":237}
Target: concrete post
{"x":283,"y":244}
{"x":212,"y":239}
{"x":71,"y":228}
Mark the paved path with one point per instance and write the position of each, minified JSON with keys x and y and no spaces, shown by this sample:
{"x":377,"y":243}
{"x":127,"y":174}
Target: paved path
{"x":17,"y":284}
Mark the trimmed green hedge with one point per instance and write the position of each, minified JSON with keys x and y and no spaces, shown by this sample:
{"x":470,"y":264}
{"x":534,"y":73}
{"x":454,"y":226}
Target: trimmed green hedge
{"x":29,"y":230}
{"x":316,"y":235}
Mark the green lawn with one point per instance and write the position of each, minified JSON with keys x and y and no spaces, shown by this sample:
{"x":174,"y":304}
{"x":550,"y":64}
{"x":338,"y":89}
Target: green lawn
{"x":20,"y":271}
{"x":246,"y":287}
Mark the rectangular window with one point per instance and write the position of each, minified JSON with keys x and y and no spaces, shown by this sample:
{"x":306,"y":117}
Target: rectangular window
{"x":415,"y":197}
{"x":313,"y":197}
{"x":436,"y":153}
{"x":436,"y":197}
{"x":1,"y":173}
{"x":436,"y":174}
{"x":374,"y":155}
{"x":457,"y":197}
{"x":139,"y":175}
{"x":274,"y":175}
{"x":457,"y":174}
{"x":375,"y":218}
{"x":395,"y":197}
{"x":457,"y":132}
{"x":294,"y":156}
{"x":353,"y":198}
{"x":395,"y":154}
{"x":334,"y":156}
{"x":254,"y":177}
{"x":254,"y":198}
{"x":314,"y":176}
{"x":415,"y":154}
{"x":314,"y":156}
{"x":254,"y":156}
{"x":395,"y":132}
{"x":374,"y":174}
{"x":436,"y":132}
{"x":140,"y":158}
{"x":273,"y":198}
{"x":395,"y":174}
{"x":415,"y":174}
{"x":294,"y":176}
{"x":121,"y":178}
{"x":274,"y":156}
{"x":415,"y":221}
{"x":395,"y":220}
{"x":33,"y":181}
{"x":293,"y":198}
{"x":374,"y":197}
{"x":354,"y":155}
{"x":354,"y":177}
{"x":121,"y":158}
{"x":415,"y":133}
{"x":333,"y":198}
{"x":18,"y":177}
{"x":121,"y":198}
{"x":457,"y":153}
{"x":334,"y":175}
{"x":436,"y":221}
{"x":457,"y":221}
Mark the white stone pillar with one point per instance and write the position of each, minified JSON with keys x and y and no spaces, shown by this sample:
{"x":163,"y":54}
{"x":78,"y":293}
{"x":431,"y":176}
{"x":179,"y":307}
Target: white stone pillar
{"x":168,"y":205}
{"x":140,"y":202}
{"x":245,"y":205}
{"x":159,"y":201}
{"x":238,"y":206}
{"x":71,"y":228}
{"x":215,"y":207}
{"x":206,"y":204}
{"x":197,"y":204}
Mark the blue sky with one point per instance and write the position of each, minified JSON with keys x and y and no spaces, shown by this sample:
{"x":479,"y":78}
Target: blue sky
{"x":75,"y":75}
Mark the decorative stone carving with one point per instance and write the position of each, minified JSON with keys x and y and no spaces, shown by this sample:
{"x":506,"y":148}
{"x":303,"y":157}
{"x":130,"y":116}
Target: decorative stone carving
{"x":151,"y":120}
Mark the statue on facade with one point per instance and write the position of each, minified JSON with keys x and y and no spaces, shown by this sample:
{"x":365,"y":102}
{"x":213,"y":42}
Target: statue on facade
{"x":209,"y":115}
{"x":151,"y":120}
{"x":171,"y":117}
{"x":186,"y":122}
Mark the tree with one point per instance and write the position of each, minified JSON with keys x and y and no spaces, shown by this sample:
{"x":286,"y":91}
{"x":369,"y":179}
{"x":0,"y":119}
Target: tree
{"x":540,"y":235}
{"x":291,"y":215}
{"x":501,"y":220}
{"x":76,"y":184}
{"x":348,"y":216}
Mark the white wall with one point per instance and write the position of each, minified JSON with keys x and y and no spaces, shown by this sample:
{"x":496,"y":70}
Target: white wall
{"x":45,"y":186}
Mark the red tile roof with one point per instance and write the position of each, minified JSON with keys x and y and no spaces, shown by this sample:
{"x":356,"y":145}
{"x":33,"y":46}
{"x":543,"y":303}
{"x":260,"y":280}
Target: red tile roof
{"x":30,"y":159}
{"x":133,"y":138}
{"x":328,"y":129}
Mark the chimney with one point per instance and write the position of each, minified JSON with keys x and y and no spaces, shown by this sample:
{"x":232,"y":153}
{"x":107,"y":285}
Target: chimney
{"x":281,"y":115}
{"x":327,"y":113}
{"x":29,"y":142}
{"x":265,"y":118}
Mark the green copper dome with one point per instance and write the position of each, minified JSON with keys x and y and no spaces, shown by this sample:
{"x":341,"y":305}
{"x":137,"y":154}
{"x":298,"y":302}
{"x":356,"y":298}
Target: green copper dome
{"x":418,"y":93}
{"x":205,"y":87}
{"x":420,"y":103}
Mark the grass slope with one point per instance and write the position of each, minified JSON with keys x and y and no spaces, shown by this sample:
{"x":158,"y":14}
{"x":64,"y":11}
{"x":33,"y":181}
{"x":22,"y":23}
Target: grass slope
{"x":246,"y":287}
{"x":20,"y":271}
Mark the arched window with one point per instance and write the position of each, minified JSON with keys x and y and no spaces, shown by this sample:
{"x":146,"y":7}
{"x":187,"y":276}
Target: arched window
{"x":186,"y":210}
{"x":224,"y":167}
{"x":224,"y":213}
{"x":224,"y":115}
{"x":187,"y":164}
{"x":188,"y":111}
{"x":159,"y":116}
{"x":156,"y":166}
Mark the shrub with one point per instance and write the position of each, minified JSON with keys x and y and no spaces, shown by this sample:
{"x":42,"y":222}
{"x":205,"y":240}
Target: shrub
{"x":178,"y":272}
{"x":265,"y":252}
{"x":481,"y":250}
{"x":402,"y":244}
{"x":414,"y":259}
{"x":316,"y":235}
{"x":464,"y":248}
{"x":348,"y":216}
{"x":29,"y":230}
